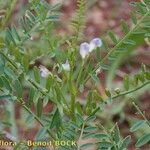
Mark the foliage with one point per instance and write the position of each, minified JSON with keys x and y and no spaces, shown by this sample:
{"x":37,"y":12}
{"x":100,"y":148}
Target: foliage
{"x":21,"y":50}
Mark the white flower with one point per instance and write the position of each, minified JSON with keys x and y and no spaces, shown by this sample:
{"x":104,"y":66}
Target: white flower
{"x":44,"y":71}
{"x":96,"y":42}
{"x":84,"y":49}
{"x":98,"y":71}
{"x":66,"y":66}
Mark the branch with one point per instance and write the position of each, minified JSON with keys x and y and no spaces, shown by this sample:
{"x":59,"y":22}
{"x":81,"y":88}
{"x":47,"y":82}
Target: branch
{"x":80,"y":137}
{"x":131,"y":91}
{"x":142,"y":114}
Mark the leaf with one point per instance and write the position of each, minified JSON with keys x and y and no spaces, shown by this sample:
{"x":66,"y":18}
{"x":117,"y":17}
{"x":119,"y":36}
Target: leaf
{"x":125,"y":27}
{"x":90,"y":119}
{"x":88,"y":103}
{"x":6,"y":83}
{"x":79,"y":119}
{"x":104,"y":66}
{"x":30,"y":16}
{"x":25,"y":61}
{"x":56,"y":6}
{"x":105,"y":45}
{"x":143,"y":140}
{"x":126,"y":82}
{"x":2,"y":97}
{"x":97,"y":96}
{"x":39,"y":108}
{"x":10,"y":73}
{"x":139,"y":124}
{"x":125,"y":143}
{"x":101,"y":136}
{"x":81,"y":88}
{"x":147,"y":1}
{"x":31,"y":97}
{"x":1,"y":82}
{"x":78,"y":107}
{"x":113,"y":37}
{"x":56,"y":120}
{"x":129,"y":42}
{"x":104,"y":144}
{"x":88,"y":136}
{"x":29,"y":119}
{"x":133,"y":17}
{"x":112,"y":58}
{"x":87,"y":145}
{"x":41,"y":134}
{"x":49,"y":83}
{"x":90,"y":129}
{"x":107,"y":92}
{"x":95,"y":78}
{"x":15,"y":33}
{"x":9,"y":37}
{"x":142,"y":8}
{"x":36,"y":74}
{"x":95,"y":111}
{"x":116,"y":134}
{"x":139,"y":31}
{"x":18,"y":88}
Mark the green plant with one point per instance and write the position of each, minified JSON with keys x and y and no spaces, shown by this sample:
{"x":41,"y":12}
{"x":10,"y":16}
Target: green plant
{"x":60,"y":84}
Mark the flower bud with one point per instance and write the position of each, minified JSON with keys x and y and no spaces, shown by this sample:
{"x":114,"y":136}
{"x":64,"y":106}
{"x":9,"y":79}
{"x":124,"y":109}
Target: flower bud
{"x":84,"y":50}
{"x":66,"y":66}
{"x":96,"y":42}
{"x":44,"y":71}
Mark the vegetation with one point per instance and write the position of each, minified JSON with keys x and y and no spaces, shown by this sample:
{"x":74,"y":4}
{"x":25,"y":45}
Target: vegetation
{"x":39,"y":68}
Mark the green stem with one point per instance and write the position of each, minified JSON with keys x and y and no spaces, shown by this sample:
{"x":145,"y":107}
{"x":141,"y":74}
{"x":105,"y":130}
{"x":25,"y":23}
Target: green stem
{"x":142,"y":114}
{"x":131,"y":91}
{"x":80,"y":137}
{"x":117,"y":46}
{"x":80,"y":73}
{"x":9,"y":60}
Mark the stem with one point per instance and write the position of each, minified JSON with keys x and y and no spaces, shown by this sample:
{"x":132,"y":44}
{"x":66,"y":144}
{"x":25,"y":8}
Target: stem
{"x":131,"y":91}
{"x":117,"y":46}
{"x":142,"y":114}
{"x":80,"y":73}
{"x":73,"y":94}
{"x":80,"y":137}
{"x":9,"y":60}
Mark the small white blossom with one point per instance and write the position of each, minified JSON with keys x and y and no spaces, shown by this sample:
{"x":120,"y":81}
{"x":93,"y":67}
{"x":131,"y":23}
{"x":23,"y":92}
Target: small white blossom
{"x":98,"y":71}
{"x":44,"y":71}
{"x":84,"y":49}
{"x":96,"y":42}
{"x":31,"y":38}
{"x":66,"y":66}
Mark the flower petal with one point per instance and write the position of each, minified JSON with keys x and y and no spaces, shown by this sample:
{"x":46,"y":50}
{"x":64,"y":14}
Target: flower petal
{"x":66,"y":66}
{"x":96,"y":42}
{"x":84,"y":49}
{"x":44,"y":71}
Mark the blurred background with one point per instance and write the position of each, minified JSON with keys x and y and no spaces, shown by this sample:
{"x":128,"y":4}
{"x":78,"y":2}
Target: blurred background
{"x":101,"y":16}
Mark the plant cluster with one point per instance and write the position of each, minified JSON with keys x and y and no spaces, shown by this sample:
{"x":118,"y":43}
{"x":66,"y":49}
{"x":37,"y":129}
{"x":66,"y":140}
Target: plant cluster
{"x":51,"y":69}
